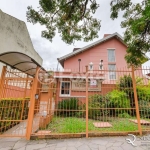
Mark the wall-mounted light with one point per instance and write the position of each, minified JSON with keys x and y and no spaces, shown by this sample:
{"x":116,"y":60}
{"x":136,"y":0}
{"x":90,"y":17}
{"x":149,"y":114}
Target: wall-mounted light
{"x":90,"y":66}
{"x":101,"y":65}
{"x":36,"y":96}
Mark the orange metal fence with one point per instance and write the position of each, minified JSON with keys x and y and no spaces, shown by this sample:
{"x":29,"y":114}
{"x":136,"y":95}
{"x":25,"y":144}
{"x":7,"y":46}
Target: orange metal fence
{"x":15,"y":88}
{"x":85,"y":103}
{"x":79,"y":104}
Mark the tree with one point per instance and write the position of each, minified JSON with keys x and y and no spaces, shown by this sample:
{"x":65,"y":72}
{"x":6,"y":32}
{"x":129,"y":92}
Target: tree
{"x":74,"y":20}
{"x":137,"y":25}
{"x":71,"y":18}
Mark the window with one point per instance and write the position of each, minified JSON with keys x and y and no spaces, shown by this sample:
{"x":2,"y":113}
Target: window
{"x":112,"y":73}
{"x":65,"y":88}
{"x":111,"y":55}
{"x":90,"y":66}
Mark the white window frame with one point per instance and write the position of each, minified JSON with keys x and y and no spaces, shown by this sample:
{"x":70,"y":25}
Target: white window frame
{"x":112,"y":71}
{"x":65,"y":95}
{"x":114,"y":55}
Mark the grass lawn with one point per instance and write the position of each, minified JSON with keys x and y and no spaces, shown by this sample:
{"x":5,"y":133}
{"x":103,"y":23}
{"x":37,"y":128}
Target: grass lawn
{"x":78,"y":125}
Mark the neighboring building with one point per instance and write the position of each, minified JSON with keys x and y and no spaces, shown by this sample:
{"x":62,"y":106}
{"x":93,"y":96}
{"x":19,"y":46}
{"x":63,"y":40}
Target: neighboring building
{"x":102,"y":58}
{"x":14,"y":37}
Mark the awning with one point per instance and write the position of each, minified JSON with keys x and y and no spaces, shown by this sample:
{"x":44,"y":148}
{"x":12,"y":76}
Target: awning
{"x":20,"y":61}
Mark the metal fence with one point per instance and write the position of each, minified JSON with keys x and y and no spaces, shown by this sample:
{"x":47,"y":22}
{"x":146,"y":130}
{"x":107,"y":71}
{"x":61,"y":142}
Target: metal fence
{"x":92,"y":103}
{"x":70,"y":103}
{"x":14,"y":102}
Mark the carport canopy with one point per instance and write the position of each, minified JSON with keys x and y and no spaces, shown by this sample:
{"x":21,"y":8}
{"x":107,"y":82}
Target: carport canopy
{"x":20,"y":62}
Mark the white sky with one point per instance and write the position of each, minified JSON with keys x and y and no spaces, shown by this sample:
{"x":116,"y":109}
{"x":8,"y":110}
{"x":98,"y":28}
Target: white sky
{"x":51,"y":51}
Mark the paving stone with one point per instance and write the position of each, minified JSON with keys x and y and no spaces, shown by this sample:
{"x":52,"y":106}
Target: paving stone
{"x":33,"y":142}
{"x":62,"y":144}
{"x":94,"y":148}
{"x":4,"y":144}
{"x":99,"y":142}
{"x":35,"y":146}
{"x":70,"y":143}
{"x":54,"y":141}
{"x":115,"y":148}
{"x":48,"y":148}
{"x":84,"y":140}
{"x":61,"y":148}
{"x":109,"y":144}
{"x":115,"y":138}
{"x":51,"y":147}
{"x":143,"y":122}
{"x":6,"y":148}
{"x":141,"y":148}
{"x":102,"y":124}
{"x":117,"y":143}
{"x":127,"y":146}
{"x":20,"y":144}
{"x":78,"y":144}
{"x":102,"y":147}
{"x":92,"y":145}
{"x":72,"y":140}
{"x":22,"y":148}
{"x":83,"y":147}
{"x":71,"y":148}
{"x":42,"y":141}
{"x":15,"y":139}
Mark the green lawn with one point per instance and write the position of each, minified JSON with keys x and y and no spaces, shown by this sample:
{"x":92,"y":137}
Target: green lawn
{"x":77,"y":125}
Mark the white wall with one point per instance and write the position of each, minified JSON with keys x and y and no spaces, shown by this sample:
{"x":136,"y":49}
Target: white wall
{"x":14,"y":36}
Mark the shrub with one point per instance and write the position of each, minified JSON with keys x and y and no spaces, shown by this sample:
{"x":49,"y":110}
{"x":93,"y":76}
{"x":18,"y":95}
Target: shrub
{"x":143,"y":93}
{"x":144,"y":108}
{"x":118,"y":99}
{"x":124,"y":115}
{"x":96,"y":102}
{"x":11,"y":109}
{"x":68,"y":104}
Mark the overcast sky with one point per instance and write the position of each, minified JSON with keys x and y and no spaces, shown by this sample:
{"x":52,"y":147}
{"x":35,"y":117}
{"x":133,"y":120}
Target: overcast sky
{"x":51,"y":51}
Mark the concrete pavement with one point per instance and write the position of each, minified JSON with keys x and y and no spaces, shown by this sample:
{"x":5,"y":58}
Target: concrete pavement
{"x":99,"y":143}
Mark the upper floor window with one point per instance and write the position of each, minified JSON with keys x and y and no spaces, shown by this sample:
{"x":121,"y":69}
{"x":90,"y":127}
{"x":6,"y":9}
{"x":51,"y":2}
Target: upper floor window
{"x":90,"y":66}
{"x":111,"y":55}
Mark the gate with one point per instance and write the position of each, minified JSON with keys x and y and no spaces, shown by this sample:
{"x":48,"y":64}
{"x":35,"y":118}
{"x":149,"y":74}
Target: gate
{"x":14,"y":102}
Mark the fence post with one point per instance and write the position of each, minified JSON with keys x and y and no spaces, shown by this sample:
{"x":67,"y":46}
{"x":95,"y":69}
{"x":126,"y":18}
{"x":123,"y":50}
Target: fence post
{"x":136,"y":102}
{"x":24,"y":95}
{"x":2,"y":80}
{"x":86,"y":101}
{"x":32,"y":105}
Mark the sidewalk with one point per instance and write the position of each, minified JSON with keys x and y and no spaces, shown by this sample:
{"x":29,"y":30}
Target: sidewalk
{"x":99,"y":143}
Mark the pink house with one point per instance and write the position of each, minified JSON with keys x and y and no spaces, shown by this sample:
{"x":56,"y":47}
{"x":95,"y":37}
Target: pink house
{"x":102,"y":58}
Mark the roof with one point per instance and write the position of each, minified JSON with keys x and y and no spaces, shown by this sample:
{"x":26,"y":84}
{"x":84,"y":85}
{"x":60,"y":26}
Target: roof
{"x":20,"y":62}
{"x":14,"y":37}
{"x":108,"y":37}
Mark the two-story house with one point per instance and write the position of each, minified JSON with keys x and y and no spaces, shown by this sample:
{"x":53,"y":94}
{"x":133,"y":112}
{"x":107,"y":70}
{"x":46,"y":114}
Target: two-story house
{"x":102,"y":57}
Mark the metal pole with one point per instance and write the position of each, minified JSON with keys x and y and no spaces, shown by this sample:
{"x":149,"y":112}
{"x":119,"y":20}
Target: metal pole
{"x":136,"y":102}
{"x":86,"y":101}
{"x":32,"y":105}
